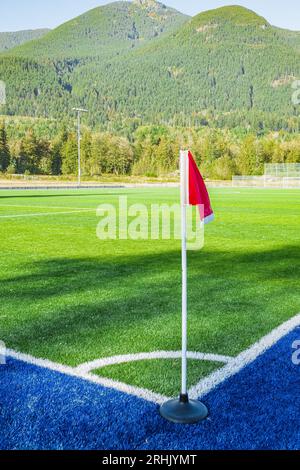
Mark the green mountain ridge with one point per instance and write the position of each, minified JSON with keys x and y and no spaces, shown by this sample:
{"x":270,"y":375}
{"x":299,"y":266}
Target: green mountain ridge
{"x":291,"y":37}
{"x":234,"y":14}
{"x":105,"y":31}
{"x":9,"y":40}
{"x":146,"y":62}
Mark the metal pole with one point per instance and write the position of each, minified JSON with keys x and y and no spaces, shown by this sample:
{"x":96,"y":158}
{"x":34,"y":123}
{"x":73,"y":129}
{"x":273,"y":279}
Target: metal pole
{"x":79,"y":111}
{"x":79,"y":153}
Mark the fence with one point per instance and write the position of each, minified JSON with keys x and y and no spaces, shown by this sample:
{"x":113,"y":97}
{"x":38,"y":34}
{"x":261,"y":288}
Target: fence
{"x":266,"y":181}
{"x":283,"y":170}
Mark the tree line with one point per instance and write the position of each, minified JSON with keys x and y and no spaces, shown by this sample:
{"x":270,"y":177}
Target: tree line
{"x":150,"y":151}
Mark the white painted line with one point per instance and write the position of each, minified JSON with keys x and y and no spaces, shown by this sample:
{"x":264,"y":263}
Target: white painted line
{"x":232,"y":367}
{"x":243,"y":359}
{"x":43,"y":214}
{"x":46,"y":207}
{"x":108,"y":383}
{"x":114,"y":360}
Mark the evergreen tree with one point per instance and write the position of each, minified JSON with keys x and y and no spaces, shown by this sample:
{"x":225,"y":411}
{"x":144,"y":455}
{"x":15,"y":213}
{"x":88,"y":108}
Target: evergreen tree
{"x":166,"y":158}
{"x":57,"y":150}
{"x":31,"y":152}
{"x":4,"y":149}
{"x":45,"y":164}
{"x":86,"y":151}
{"x":247,"y":159}
{"x":70,"y":156}
{"x":98,"y":163}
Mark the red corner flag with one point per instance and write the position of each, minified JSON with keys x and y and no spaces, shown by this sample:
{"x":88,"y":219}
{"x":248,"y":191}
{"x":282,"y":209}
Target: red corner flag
{"x":192,"y":191}
{"x":197,"y":192}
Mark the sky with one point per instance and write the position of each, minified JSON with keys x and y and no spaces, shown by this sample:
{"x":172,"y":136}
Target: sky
{"x":32,"y":14}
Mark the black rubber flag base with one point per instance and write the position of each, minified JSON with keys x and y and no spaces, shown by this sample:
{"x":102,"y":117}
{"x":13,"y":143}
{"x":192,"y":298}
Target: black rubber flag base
{"x":184,"y":411}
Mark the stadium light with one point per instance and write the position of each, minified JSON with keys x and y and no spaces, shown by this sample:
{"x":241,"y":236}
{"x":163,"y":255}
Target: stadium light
{"x":79,"y":111}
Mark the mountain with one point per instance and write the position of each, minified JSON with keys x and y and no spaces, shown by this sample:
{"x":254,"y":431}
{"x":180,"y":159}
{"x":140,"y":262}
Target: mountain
{"x":12,"y":39}
{"x":145,"y":61}
{"x":106,"y":30}
{"x":39,"y":74}
{"x":221,"y":60}
{"x":291,"y":37}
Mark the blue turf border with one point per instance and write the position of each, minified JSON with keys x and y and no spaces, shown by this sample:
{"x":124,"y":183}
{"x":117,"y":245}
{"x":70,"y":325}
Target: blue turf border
{"x":258,"y":408}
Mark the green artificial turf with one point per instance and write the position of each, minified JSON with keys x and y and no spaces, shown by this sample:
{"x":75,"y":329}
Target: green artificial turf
{"x":159,"y":375}
{"x":69,"y":297}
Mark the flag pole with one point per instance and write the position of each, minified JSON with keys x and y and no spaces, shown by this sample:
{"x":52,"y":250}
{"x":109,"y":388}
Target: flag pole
{"x":184,"y":202}
{"x":184,"y":410}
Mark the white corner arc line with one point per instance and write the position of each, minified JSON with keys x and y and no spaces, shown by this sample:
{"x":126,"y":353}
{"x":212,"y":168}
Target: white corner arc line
{"x":243,"y":359}
{"x":233,"y":366}
{"x":73,"y":372}
{"x":114,"y":360}
{"x":43,"y":214}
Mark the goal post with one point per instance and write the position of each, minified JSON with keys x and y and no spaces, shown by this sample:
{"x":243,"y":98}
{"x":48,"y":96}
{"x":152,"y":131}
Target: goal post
{"x":277,"y":175}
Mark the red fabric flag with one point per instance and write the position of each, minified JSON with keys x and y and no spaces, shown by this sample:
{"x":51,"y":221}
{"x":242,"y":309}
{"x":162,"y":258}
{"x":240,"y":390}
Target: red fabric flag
{"x":198,"y":195}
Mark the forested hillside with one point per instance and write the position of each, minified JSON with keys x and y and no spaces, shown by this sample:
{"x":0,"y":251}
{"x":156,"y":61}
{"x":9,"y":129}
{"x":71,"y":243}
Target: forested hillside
{"x":12,"y":39}
{"x":148,"y":151}
{"x":227,"y":60}
{"x":105,"y":31}
{"x":143,"y":63}
{"x":291,"y":37}
{"x":153,"y":80}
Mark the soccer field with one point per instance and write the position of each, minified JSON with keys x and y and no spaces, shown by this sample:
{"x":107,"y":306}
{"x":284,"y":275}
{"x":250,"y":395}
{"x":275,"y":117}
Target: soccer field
{"x":71,"y":298}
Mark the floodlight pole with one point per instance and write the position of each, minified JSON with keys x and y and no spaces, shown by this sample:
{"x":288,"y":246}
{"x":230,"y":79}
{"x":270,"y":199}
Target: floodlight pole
{"x":79,"y":111}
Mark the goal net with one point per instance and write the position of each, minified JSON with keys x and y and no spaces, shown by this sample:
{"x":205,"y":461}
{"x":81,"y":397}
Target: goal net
{"x":283,"y":170}
{"x":277,"y":175}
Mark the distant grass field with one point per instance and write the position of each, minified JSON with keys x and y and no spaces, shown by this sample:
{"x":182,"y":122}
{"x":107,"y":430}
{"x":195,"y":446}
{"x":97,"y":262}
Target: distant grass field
{"x":71,"y":298}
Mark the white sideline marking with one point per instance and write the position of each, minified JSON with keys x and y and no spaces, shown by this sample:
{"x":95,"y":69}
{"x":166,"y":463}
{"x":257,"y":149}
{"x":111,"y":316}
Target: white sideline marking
{"x":114,"y":360}
{"x":46,"y":207}
{"x":243,"y":359}
{"x":108,"y":383}
{"x":43,"y":214}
